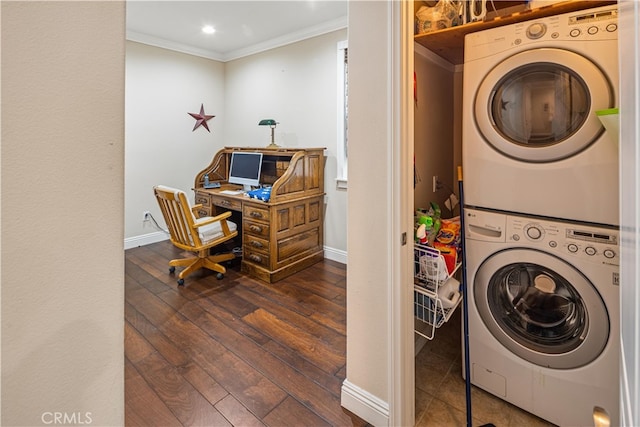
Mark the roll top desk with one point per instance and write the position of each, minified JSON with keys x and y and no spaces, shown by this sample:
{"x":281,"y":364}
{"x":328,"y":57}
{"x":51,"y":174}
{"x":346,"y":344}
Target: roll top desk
{"x":285,"y":234}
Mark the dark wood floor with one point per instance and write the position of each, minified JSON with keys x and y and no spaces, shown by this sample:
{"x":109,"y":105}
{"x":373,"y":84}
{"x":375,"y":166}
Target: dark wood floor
{"x":235,"y":352}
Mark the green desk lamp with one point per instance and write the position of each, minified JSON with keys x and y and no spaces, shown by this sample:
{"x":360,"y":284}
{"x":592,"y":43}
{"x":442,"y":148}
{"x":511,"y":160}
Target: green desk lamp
{"x":272,"y":124}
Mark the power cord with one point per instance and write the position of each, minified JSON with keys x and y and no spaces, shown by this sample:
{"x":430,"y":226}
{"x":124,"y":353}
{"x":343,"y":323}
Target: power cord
{"x":445,"y":186}
{"x":452,"y":200}
{"x":156,"y":225}
{"x":494,"y":8}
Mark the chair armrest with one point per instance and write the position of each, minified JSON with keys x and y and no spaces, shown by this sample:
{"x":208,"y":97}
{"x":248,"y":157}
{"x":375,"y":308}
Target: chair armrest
{"x":194,"y":210}
{"x":210,"y":220}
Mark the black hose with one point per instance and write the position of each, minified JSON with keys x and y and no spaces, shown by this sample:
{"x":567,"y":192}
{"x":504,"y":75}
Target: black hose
{"x":465,"y":307}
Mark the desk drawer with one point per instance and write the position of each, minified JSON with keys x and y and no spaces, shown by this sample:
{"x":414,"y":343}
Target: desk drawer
{"x":254,"y":243}
{"x":255,"y":212}
{"x":203,"y":199}
{"x":255,"y":257}
{"x":203,"y":211}
{"x":256,"y":228}
{"x":227,"y":203}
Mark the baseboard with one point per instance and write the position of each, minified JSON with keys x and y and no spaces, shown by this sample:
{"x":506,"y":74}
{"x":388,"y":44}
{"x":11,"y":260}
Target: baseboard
{"x":335,"y":255}
{"x":158,"y":236}
{"x":145,"y":239}
{"x":365,"y":405}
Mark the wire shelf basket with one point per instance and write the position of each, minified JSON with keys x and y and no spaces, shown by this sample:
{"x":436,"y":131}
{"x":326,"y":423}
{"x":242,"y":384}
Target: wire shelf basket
{"x":436,"y":293}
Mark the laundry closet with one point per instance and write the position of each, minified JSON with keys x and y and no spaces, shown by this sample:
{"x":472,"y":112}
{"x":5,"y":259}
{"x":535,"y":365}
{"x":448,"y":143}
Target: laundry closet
{"x":557,"y":64}
{"x":438,"y":78}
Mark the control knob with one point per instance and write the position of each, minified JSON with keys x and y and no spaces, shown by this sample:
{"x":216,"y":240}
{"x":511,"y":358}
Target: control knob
{"x":537,"y":30}
{"x":533,"y":231}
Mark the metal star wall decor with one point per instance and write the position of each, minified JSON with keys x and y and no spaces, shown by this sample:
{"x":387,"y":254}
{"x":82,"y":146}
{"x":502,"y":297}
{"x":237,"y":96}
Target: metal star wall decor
{"x":201,"y":119}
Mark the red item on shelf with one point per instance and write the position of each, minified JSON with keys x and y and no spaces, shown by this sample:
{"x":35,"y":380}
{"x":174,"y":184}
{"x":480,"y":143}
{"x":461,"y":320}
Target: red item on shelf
{"x":449,"y":254}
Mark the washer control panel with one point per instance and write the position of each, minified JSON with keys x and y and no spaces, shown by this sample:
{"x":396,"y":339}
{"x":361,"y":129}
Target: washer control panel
{"x":583,"y":241}
{"x":567,"y":239}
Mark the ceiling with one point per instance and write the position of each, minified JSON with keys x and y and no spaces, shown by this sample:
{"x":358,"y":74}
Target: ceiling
{"x":242,"y":27}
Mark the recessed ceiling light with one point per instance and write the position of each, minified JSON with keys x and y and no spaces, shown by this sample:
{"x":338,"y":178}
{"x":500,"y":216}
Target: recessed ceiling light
{"x":208,"y":29}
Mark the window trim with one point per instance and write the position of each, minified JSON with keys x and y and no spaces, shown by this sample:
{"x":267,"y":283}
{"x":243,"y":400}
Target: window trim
{"x":342,"y":115}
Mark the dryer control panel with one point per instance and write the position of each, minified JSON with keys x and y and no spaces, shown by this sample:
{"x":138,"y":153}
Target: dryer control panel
{"x":594,"y":22}
{"x":593,"y":25}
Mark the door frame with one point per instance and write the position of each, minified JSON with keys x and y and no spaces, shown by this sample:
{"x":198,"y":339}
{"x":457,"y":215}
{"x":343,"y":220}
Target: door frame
{"x":401,"y":384}
{"x":401,"y":325}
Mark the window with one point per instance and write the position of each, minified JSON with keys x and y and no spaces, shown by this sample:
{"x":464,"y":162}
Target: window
{"x":343,"y":114}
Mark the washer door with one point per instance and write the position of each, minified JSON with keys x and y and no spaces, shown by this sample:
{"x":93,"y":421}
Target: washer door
{"x":541,"y":308}
{"x":539,"y":105}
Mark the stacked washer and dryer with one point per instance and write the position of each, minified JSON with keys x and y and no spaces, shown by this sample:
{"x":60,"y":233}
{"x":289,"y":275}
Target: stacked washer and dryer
{"x":541,"y":215}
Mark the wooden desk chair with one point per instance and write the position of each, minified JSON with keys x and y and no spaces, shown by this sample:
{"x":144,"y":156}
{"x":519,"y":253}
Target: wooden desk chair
{"x":194,"y":234}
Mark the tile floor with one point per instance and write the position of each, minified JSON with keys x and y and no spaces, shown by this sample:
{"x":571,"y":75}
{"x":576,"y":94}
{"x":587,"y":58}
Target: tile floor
{"x":440,"y":388}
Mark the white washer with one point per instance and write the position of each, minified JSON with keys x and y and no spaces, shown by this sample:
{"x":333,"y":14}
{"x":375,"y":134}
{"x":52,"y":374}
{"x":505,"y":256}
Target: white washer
{"x":531,"y":140}
{"x":544,"y":314}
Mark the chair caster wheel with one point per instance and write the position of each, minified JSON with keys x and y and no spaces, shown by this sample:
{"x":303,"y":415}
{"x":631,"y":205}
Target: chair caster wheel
{"x":172,"y":269}
{"x":180,"y":282}
{"x":219,"y":276}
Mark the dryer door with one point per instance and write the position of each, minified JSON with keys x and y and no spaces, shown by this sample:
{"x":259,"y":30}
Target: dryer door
{"x":541,"y":308}
{"x":539,"y":105}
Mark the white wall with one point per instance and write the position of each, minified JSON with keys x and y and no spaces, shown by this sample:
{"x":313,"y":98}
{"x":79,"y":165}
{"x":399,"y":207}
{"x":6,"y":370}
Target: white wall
{"x":62,"y":212}
{"x":295,"y":84}
{"x":162,"y":87}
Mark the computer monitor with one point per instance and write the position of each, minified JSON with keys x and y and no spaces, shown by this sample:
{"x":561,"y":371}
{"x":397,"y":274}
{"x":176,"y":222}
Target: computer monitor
{"x":245,"y":169}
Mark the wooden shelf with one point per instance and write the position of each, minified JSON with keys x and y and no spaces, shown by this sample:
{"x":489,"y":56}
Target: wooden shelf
{"x":449,"y":43}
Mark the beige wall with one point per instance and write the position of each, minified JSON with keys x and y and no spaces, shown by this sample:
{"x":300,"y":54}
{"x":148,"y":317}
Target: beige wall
{"x":457,"y":126}
{"x":62,"y":212}
{"x":433,"y":129}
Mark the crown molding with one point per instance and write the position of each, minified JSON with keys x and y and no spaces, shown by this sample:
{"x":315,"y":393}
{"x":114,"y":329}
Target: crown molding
{"x":297,"y":36}
{"x":307,"y":33}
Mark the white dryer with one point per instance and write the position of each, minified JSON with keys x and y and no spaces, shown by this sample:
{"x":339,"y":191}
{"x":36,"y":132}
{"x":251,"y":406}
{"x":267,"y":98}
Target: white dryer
{"x":531,"y":140}
{"x":544,"y":323}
